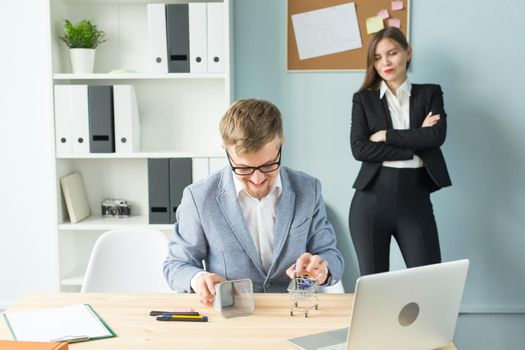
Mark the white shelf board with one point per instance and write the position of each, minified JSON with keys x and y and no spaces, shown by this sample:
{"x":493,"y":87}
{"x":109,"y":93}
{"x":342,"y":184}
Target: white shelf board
{"x":143,"y":155}
{"x":75,"y":277}
{"x":136,"y":76}
{"x":104,"y":224}
{"x":82,"y":2}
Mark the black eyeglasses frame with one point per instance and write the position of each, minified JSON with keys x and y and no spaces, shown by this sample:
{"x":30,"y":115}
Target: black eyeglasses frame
{"x":255,"y":168}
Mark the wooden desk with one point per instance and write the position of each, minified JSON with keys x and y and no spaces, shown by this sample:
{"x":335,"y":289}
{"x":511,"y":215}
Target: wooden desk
{"x":267,"y":328}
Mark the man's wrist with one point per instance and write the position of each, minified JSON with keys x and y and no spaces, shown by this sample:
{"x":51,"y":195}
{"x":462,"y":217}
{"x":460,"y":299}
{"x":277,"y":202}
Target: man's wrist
{"x":193,"y":282}
{"x":328,"y":279}
{"x":325,"y":276}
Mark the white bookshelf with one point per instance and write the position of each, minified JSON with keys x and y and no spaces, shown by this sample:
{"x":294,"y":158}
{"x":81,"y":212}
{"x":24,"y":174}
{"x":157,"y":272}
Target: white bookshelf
{"x":73,"y":278}
{"x":135,"y":76}
{"x":143,"y":155}
{"x":95,"y":222}
{"x":179,"y":117}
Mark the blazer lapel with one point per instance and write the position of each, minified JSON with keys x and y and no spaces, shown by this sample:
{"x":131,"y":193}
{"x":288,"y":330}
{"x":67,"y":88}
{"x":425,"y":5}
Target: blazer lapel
{"x":229,"y":203}
{"x":284,"y":215}
{"x":388,"y":117}
{"x":413,"y":97}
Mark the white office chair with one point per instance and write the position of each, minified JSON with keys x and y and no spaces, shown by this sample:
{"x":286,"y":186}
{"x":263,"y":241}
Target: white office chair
{"x":336,"y":288}
{"x":127,"y":260}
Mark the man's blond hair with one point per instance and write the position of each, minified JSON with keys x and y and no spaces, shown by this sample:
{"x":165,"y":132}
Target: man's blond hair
{"x":250,"y":124}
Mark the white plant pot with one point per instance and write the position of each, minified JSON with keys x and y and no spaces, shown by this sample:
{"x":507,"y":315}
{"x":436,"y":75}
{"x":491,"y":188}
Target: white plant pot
{"x":82,"y":60}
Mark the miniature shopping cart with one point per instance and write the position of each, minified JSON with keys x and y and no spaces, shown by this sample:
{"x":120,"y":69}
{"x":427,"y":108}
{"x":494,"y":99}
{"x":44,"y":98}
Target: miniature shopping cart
{"x":303,"y":289}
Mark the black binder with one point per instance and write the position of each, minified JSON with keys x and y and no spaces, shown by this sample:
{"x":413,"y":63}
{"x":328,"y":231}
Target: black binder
{"x":178,"y":38}
{"x":159,"y":191}
{"x":101,"y":120}
{"x":180,"y":177}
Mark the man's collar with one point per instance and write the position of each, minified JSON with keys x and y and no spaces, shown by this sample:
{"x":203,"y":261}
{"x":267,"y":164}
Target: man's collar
{"x":276,"y":185}
{"x":406,"y":88}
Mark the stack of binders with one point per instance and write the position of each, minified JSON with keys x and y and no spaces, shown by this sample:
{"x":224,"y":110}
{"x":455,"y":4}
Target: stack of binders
{"x":186,"y":38}
{"x":167,"y":178}
{"x":96,"y":119}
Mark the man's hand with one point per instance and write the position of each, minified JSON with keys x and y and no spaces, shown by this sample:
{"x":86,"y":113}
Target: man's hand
{"x":205,"y":287}
{"x":379,"y":136}
{"x":311,"y":265}
{"x":430,"y":120}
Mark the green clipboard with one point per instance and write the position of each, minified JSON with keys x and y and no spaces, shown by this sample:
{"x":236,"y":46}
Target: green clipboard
{"x":73,"y":323}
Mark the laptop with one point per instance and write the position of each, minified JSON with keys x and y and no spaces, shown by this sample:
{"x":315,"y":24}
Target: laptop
{"x":412,"y":309}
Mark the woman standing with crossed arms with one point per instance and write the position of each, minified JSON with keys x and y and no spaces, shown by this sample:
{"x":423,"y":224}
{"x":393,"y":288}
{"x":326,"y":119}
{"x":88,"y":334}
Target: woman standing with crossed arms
{"x":397,"y":130}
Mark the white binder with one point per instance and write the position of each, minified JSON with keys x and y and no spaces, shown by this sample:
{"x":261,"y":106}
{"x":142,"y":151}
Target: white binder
{"x":80,"y":118}
{"x":158,"y":51}
{"x":127,"y":122}
{"x":63,"y":115}
{"x":215,"y":37}
{"x":197,"y":29}
{"x":200,"y":169}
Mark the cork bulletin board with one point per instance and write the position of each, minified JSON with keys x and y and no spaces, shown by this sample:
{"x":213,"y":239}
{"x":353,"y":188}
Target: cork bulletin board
{"x":353,"y":59}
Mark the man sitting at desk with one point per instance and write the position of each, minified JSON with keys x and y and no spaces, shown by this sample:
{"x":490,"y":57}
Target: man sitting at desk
{"x":253,"y":219}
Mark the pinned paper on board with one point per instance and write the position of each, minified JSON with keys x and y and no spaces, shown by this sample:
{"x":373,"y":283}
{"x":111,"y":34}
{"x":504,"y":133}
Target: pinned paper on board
{"x":326,"y":31}
{"x":394,"y":22}
{"x":374,"y":24}
{"x":317,"y":31}
{"x":383,"y":14}
{"x":397,"y":5}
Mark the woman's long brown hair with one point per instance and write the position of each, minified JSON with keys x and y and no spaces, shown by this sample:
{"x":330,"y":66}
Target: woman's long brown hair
{"x":372,"y":78}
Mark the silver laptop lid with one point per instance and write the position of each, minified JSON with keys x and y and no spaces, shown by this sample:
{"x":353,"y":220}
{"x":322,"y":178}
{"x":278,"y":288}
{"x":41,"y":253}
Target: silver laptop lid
{"x":410,"y":309}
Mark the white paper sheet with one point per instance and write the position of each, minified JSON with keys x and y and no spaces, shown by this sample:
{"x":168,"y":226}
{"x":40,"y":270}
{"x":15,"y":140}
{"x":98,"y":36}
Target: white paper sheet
{"x":326,"y":31}
{"x":60,"y":323}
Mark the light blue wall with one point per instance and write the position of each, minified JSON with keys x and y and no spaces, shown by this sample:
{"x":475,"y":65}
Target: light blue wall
{"x":475,"y":50}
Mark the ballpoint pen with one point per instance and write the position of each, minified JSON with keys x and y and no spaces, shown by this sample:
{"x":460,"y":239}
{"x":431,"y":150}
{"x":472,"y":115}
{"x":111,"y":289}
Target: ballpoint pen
{"x":183,"y":318}
{"x":182,"y":313}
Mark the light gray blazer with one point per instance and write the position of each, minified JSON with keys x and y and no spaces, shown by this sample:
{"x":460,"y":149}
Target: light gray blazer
{"x":210,"y":226}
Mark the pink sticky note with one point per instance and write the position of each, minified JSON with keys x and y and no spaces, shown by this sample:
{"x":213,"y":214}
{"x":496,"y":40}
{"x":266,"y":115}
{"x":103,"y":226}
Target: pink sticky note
{"x":394,"y":22}
{"x":397,"y":5}
{"x":383,"y":14}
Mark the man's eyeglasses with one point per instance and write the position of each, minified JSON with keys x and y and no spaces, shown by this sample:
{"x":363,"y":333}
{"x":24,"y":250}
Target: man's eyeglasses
{"x":249,"y":170}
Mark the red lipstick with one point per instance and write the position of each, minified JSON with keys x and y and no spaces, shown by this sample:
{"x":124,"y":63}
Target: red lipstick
{"x":388,"y":71}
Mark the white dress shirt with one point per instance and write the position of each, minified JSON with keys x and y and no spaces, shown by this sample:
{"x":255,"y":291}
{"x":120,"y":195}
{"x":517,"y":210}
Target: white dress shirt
{"x":259,"y":216}
{"x":399,"y":107}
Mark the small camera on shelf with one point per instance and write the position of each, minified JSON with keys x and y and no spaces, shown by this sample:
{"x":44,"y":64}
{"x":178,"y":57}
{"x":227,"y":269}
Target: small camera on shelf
{"x":115,"y":208}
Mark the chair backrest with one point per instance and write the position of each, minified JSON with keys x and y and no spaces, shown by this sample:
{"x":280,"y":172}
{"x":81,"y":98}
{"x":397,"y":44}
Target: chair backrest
{"x":127,"y":260}
{"x":336,"y":288}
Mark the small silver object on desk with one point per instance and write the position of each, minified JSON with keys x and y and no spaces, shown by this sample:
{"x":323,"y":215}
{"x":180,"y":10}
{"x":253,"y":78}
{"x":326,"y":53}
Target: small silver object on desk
{"x":303,"y":289}
{"x":234,"y":298}
{"x":72,"y":338}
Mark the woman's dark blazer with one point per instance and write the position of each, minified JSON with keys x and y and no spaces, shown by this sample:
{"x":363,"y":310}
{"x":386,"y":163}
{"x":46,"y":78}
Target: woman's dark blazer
{"x":371,"y":114}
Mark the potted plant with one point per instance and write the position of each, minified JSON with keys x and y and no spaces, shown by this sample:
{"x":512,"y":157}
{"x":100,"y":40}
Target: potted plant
{"x":82,"y":40}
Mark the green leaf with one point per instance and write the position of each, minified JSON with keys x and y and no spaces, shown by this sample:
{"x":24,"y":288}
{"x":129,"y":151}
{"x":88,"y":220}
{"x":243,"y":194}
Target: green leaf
{"x":83,"y":35}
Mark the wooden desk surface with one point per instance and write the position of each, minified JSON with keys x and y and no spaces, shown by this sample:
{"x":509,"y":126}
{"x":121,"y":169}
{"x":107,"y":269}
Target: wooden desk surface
{"x":267,"y":328}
